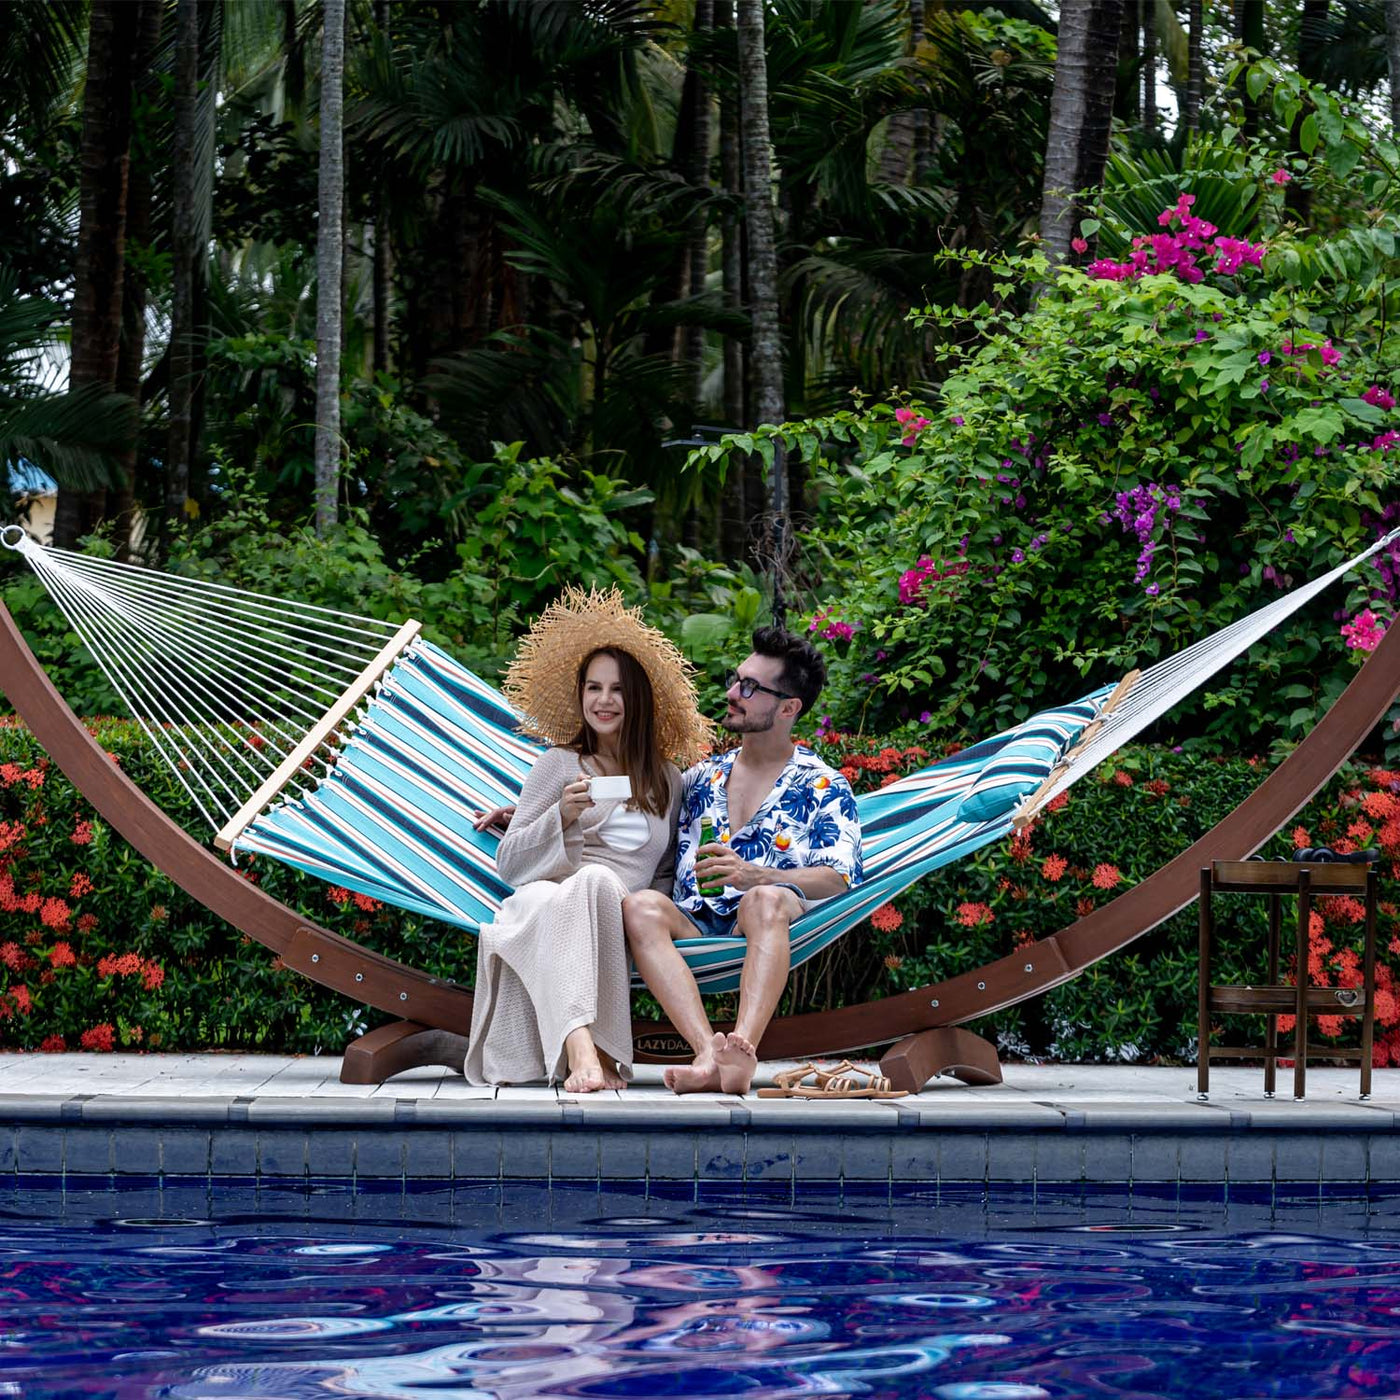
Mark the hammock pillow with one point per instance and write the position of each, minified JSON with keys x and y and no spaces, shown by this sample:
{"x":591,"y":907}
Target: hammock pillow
{"x":1023,"y":764}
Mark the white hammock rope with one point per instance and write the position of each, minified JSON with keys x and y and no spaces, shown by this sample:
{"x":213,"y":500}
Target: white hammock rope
{"x":1159,"y":687}
{"x":231,"y":686}
{"x":227,"y":683}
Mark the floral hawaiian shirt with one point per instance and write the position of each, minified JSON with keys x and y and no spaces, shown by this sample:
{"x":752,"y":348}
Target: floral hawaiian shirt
{"x":808,"y":818}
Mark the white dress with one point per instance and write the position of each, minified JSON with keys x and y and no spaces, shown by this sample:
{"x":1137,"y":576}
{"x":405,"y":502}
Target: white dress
{"x":555,"y":957}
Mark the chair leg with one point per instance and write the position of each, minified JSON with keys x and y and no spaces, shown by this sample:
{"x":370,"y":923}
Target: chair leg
{"x":1368,"y":983}
{"x":1203,"y":992}
{"x":1271,"y":1018}
{"x":1300,"y":1027}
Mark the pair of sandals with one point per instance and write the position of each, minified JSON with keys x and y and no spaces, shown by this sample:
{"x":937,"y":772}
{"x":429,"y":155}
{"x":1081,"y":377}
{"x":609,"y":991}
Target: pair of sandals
{"x":843,"y":1081}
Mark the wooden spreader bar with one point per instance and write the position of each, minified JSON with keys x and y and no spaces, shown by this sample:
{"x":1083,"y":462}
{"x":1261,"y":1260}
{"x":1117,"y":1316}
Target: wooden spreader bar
{"x":917,"y":1018}
{"x":1029,"y":808}
{"x":316,"y":735}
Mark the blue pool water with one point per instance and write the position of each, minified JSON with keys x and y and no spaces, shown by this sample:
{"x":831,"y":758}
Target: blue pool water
{"x":535,"y":1293}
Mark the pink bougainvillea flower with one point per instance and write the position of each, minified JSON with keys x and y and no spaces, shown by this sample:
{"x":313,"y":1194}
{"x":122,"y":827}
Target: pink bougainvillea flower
{"x":1080,"y":245}
{"x":1364,"y":631}
{"x":1381,"y":398}
{"x":1280,"y":176}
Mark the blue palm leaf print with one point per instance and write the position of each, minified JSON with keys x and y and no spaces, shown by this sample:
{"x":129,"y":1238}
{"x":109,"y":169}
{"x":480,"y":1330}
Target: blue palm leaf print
{"x":799,"y":801}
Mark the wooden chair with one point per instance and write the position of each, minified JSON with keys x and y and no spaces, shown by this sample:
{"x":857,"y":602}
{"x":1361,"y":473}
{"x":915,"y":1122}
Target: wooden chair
{"x":1277,"y":879}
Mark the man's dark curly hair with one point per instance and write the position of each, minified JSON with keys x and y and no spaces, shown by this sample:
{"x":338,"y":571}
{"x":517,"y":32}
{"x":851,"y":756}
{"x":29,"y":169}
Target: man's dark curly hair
{"x":804,"y":671}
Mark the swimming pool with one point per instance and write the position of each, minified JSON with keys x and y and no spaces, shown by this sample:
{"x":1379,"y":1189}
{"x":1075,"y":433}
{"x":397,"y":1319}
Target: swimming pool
{"x":230,"y":1289}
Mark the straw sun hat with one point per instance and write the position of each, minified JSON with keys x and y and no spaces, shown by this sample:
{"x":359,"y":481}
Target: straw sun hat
{"x":542,"y":681}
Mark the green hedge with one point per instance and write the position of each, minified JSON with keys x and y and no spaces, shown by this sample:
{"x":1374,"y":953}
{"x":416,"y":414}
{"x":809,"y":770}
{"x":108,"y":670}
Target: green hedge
{"x":99,"y":950}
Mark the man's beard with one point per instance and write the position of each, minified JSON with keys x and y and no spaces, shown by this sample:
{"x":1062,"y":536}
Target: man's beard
{"x":740,"y":722}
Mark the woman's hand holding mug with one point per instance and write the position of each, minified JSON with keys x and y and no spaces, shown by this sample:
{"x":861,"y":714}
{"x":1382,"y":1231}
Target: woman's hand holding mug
{"x":574,"y":799}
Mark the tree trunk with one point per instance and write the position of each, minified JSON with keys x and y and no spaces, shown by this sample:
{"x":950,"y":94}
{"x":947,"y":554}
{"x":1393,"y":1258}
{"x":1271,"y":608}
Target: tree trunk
{"x":1392,"y":52}
{"x":1128,"y":89}
{"x":735,"y":513}
{"x":186,"y":254}
{"x":923,"y":137}
{"x":329,"y":237}
{"x":138,"y":235}
{"x":1149,"y":67}
{"x":1250,"y":31}
{"x":1312,"y":38}
{"x":1195,"y":66}
{"x":698,"y":174}
{"x":99,"y":264}
{"x":1081,"y":114}
{"x":383,"y":288}
{"x":765,"y":339}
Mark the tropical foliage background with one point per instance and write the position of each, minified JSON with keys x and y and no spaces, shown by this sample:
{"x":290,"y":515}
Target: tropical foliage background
{"x":1004,"y":346}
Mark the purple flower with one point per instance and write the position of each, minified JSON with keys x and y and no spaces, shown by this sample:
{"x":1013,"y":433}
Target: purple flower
{"x":1202,"y":335}
{"x":925,"y":717}
{"x":1263,"y":386}
{"x":1264,"y":357}
{"x":956,"y":420}
{"x":1017,"y":556}
{"x":1106,"y":419}
{"x":1152,"y":590}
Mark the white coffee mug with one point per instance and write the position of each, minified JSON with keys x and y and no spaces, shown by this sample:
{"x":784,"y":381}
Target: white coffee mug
{"x":610,"y":789}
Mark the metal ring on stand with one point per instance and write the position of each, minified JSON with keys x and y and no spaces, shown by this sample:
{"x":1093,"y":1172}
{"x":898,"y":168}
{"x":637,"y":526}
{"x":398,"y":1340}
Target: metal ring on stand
{"x":19,"y":536}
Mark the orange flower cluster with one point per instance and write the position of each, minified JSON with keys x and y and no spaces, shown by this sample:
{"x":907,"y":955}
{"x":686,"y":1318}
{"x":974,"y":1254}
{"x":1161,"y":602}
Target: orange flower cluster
{"x":1053,"y":868}
{"x":970,"y":915}
{"x":100,"y":1037}
{"x":887,"y":918}
{"x":1106,"y":876}
{"x":152,"y":974}
{"x":12,"y":773}
{"x":11,"y":834}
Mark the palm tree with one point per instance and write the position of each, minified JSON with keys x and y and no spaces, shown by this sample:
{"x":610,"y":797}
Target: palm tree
{"x":113,"y":34}
{"x":765,"y":337}
{"x":1081,"y":113}
{"x":330,"y":238}
{"x":187,"y":259}
{"x":1195,"y":66}
{"x":1392,"y":51}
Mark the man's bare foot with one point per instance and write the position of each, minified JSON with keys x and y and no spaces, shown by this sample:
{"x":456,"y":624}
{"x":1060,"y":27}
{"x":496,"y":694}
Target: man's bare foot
{"x":737,"y":1061}
{"x":700,"y":1076}
{"x":587,"y":1079}
{"x":611,"y":1078}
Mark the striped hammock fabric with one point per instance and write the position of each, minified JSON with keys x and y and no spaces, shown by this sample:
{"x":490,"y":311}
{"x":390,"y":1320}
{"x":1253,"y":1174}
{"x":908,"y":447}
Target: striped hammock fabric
{"x":393,"y":817}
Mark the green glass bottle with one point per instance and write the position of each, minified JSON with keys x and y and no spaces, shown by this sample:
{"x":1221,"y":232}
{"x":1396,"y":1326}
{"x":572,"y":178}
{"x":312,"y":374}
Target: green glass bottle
{"x":707,"y":834}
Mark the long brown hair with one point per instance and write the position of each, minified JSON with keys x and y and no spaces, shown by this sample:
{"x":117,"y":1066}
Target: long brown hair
{"x":641,"y":760}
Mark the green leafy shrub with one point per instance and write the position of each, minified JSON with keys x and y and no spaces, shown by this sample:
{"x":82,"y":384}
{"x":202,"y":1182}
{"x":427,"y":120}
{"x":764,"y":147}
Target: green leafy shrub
{"x":1147,"y":454}
{"x":95,"y":943}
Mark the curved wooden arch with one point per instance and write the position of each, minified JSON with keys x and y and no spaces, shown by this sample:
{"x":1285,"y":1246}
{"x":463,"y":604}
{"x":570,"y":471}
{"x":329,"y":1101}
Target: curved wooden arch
{"x":429,"y":1002}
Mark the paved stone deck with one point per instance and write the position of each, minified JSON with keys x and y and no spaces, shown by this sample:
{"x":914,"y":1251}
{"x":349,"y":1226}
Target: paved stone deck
{"x":160,"y":1116}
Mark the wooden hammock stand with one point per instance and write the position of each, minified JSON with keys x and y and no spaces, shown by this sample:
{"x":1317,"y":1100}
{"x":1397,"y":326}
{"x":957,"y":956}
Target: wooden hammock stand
{"x":924,"y":1022}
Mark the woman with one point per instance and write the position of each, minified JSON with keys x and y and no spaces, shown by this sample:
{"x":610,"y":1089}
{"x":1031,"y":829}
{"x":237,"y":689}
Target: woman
{"x":614,"y":698}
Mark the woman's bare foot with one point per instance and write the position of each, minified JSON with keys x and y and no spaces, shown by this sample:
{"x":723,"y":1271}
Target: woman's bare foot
{"x":700,"y":1076}
{"x":737,"y":1061}
{"x":585,"y":1081}
{"x":586,"y":1075}
{"x":611,"y":1078}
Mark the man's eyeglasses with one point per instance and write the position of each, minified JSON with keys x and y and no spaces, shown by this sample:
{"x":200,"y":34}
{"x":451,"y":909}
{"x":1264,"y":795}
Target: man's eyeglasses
{"x":747,"y":686}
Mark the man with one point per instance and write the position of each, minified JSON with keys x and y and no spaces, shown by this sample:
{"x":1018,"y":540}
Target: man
{"x":786,"y":836}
